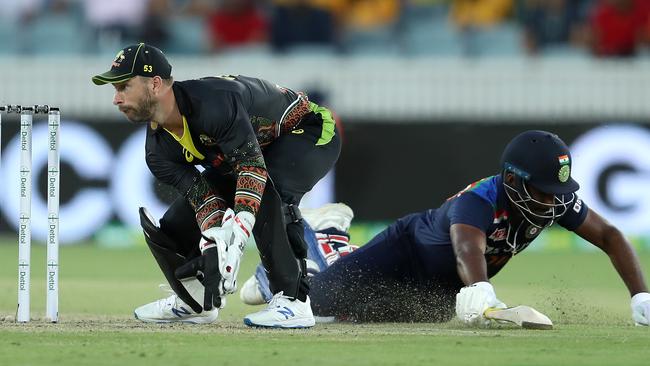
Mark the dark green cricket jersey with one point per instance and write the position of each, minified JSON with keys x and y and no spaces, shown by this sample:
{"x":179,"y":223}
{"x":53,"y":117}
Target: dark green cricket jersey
{"x":228,"y":122}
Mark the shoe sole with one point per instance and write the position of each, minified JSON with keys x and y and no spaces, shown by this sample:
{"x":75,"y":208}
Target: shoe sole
{"x":196,"y":321}
{"x":250,"y":323}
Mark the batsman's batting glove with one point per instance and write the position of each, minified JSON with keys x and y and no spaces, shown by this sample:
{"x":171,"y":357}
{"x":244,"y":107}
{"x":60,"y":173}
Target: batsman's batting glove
{"x":206,"y":267}
{"x":641,"y":308}
{"x":240,"y":226}
{"x":473,"y":300}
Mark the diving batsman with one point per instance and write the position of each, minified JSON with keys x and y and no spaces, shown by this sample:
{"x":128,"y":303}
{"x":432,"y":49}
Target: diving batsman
{"x":261,"y":148}
{"x":430,"y":265}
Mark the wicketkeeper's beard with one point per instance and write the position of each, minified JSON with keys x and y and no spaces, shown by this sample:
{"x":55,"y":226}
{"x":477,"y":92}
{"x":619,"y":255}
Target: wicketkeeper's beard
{"x":143,"y":112}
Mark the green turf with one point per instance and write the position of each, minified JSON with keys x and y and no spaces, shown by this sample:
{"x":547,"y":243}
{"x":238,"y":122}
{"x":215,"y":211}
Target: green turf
{"x":100,"y":288}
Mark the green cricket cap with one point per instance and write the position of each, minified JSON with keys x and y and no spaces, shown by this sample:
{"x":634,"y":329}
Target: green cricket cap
{"x":138,"y":59}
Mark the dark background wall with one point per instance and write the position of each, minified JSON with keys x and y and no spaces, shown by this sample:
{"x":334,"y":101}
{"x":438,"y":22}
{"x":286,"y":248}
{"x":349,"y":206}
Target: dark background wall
{"x":384,"y":171}
{"x":388,"y":170}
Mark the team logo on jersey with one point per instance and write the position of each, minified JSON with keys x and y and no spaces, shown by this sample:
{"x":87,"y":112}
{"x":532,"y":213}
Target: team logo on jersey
{"x":207,"y":140}
{"x":532,"y":232}
{"x":188,"y":155}
{"x":299,"y":131}
{"x":564,"y":173}
{"x":498,"y":235}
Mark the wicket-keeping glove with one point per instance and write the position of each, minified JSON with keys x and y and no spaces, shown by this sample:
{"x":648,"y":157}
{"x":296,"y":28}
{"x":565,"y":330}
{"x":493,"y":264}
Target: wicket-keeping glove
{"x":240,"y":227}
{"x":473,"y":300}
{"x":641,"y":308}
{"x":207,"y":266}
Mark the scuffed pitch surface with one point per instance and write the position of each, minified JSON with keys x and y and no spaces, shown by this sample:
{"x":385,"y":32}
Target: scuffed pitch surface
{"x":580,"y":293}
{"x":125,"y":342}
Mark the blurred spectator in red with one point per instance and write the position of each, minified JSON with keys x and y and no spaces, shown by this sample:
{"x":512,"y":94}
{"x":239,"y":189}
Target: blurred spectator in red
{"x":300,"y":22}
{"x":549,"y":23}
{"x":237,"y":23}
{"x":618,"y":27}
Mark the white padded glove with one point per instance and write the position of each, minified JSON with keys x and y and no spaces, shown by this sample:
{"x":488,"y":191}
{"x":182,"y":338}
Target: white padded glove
{"x":641,"y":308}
{"x":473,"y":300}
{"x":240,"y":227}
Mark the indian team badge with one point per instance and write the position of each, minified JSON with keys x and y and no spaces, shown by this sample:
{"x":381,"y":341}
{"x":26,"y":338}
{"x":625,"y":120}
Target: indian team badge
{"x":207,"y":140}
{"x":564,"y":173}
{"x":563,"y":159}
{"x":532,"y":232}
{"x":565,"y":170}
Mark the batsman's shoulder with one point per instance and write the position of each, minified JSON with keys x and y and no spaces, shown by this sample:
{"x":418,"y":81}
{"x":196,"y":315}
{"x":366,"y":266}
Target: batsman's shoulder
{"x":473,"y":199}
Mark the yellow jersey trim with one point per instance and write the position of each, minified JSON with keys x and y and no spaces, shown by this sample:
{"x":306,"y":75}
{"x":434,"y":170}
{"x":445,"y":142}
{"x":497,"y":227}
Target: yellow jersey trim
{"x":186,"y":141}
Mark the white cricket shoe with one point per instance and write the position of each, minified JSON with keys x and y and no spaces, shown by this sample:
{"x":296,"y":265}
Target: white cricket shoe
{"x":282,"y":312}
{"x":171,"y":310}
{"x":250,"y":293}
{"x":331,"y":215}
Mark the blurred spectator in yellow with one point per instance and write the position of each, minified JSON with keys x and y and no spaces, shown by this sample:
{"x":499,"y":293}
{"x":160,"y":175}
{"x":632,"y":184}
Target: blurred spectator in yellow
{"x":236,"y":23}
{"x":368,"y":14}
{"x":549,"y":23}
{"x":302,"y":22}
{"x":329,"y":20}
{"x":473,"y":17}
{"x":618,"y":27}
{"x":479,"y":13}
{"x":372,"y":25}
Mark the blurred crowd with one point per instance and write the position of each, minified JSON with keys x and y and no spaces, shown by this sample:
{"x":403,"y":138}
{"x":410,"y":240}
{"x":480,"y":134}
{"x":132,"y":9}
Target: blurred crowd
{"x":603,"y":28}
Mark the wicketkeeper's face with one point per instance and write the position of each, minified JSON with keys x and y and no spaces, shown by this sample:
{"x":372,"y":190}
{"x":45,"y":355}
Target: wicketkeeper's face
{"x":134,"y":98}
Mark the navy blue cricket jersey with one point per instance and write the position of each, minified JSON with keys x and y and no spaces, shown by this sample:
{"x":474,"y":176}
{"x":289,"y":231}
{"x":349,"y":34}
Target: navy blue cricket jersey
{"x":484,"y":205}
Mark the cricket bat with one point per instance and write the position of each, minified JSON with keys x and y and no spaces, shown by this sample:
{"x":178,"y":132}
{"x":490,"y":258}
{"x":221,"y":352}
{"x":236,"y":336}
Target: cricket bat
{"x":522,"y":315}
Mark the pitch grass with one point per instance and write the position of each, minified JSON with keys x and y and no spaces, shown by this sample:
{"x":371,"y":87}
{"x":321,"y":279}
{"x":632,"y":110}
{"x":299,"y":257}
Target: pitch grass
{"x":100,"y":288}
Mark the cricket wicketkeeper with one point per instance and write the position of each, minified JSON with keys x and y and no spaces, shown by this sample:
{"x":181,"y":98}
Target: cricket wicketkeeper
{"x":261,"y":147}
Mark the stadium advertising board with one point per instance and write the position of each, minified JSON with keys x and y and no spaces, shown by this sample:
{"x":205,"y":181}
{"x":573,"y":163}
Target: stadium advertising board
{"x":385,"y":171}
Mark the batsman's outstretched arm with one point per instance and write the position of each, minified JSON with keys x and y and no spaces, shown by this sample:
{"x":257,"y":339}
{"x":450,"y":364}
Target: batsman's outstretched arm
{"x":469,"y":246}
{"x":473,"y":300}
{"x":607,"y":237}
